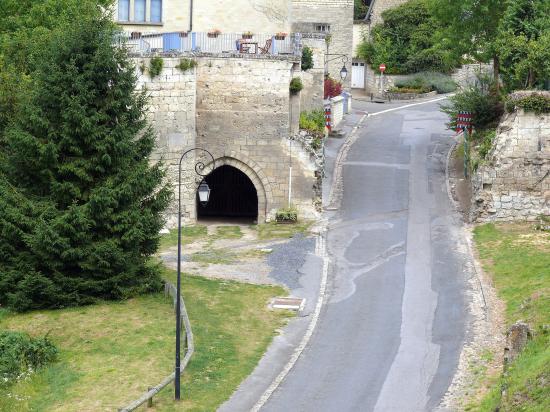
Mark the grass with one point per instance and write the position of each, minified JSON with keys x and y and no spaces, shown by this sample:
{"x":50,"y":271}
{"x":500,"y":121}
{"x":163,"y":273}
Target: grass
{"x":111,"y":352}
{"x":229,"y":232}
{"x":275,"y":230}
{"x":189,"y":234}
{"x":518,"y":258}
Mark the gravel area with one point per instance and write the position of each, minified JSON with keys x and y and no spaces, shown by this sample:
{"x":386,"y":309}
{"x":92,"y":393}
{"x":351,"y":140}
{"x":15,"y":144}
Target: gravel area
{"x":287,"y":259}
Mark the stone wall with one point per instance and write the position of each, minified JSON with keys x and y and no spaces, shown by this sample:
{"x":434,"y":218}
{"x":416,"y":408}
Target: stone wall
{"x":236,"y":16}
{"x":381,"y":6}
{"x":467,"y":74}
{"x":171,"y":113}
{"x":311,"y":96}
{"x":360,"y":32}
{"x":243,"y":117}
{"x":515,"y":182}
{"x":337,"y":18}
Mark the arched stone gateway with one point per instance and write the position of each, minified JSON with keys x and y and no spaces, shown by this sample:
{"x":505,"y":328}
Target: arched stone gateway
{"x":238,"y":190}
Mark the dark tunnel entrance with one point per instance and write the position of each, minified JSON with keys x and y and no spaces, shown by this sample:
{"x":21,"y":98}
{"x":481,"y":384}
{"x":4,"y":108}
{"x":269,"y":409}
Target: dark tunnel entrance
{"x":232,"y":195}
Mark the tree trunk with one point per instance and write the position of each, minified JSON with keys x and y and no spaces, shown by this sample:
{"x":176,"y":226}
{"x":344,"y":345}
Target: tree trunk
{"x":496,"y":72}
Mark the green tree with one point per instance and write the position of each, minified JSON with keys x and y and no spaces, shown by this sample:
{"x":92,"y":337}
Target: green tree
{"x":523,"y":44}
{"x":80,"y":204}
{"x":469,"y":27}
{"x":405,"y":42}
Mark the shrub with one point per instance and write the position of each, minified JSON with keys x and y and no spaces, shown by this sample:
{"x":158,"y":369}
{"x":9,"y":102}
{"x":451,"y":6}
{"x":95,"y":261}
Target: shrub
{"x":19,"y":353}
{"x":406,"y":43}
{"x":484,"y":140}
{"x":186,"y":64}
{"x":333,"y":88}
{"x":479,"y":99}
{"x":313,"y":122}
{"x":155,"y":66}
{"x":429,"y":81}
{"x":536,"y":103}
{"x":412,"y":89}
{"x":287,"y":214}
{"x":307,"y":58}
{"x":296,"y":85}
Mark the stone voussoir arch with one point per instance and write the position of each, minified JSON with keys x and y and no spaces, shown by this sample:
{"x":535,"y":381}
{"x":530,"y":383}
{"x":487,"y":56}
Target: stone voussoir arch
{"x":256,"y":175}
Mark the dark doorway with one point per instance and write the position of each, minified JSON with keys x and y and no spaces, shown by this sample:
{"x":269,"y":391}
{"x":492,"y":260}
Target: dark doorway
{"x":232,"y":195}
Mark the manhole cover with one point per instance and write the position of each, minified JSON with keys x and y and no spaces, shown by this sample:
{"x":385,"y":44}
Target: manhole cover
{"x":289,"y":303}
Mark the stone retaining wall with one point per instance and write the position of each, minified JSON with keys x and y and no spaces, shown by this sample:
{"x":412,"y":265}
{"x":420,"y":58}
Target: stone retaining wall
{"x":240,"y":110}
{"x":515,"y":182}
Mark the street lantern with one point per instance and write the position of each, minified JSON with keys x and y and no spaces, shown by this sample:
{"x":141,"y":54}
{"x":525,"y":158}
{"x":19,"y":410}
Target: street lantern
{"x":343,"y":72}
{"x":204,"y":193}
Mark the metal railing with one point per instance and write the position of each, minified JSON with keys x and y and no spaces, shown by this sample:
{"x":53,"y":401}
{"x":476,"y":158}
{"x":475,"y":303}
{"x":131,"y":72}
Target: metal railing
{"x":188,"y":348}
{"x":194,"y":42}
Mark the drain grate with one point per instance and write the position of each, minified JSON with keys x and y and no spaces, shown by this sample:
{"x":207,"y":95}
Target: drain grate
{"x":288,"y":303}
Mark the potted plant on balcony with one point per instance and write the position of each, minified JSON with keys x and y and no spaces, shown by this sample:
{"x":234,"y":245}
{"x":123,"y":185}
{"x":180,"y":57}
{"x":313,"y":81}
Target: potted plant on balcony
{"x":214,"y":33}
{"x":135,"y":35}
{"x":247,"y":35}
{"x":280,"y":36}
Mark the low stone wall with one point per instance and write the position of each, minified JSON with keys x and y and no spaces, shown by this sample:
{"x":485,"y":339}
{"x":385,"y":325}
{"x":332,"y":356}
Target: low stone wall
{"x":410,"y":96}
{"x":336,"y":110}
{"x":467,"y":74}
{"x":515,"y":182}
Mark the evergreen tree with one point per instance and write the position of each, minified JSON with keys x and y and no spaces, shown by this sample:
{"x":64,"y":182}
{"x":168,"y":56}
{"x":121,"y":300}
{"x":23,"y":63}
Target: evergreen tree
{"x":80,"y":204}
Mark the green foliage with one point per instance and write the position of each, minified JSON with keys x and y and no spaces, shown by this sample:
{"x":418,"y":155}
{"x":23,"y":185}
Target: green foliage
{"x":467,"y":27}
{"x":296,"y":85}
{"x":484,"y":140}
{"x":155,"y":66}
{"x":287,"y":214}
{"x":20,"y":354}
{"x":307,"y":58}
{"x":405,"y":42}
{"x":81,"y":204}
{"x":536,"y":103}
{"x":428,"y":81}
{"x":186,"y":64}
{"x":518,"y":257}
{"x":313,"y":121}
{"x":522,"y":44}
{"x":410,"y":89}
{"x":479,"y":99}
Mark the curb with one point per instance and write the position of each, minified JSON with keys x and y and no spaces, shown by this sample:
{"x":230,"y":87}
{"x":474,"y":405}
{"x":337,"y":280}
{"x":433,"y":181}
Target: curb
{"x":321,"y":251}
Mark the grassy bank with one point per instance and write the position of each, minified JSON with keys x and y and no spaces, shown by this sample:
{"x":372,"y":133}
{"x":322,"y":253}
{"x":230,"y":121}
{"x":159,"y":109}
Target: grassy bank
{"x":518,"y":259}
{"x":111,"y":352}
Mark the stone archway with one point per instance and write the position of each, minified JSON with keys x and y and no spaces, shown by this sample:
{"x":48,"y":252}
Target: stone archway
{"x":228,"y":170}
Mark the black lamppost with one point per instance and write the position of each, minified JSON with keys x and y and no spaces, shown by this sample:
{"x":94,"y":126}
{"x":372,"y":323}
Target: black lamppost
{"x":204,"y":195}
{"x":343,"y":70}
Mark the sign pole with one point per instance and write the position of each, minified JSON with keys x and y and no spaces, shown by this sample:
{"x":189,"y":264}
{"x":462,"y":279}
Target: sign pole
{"x":466,"y":152}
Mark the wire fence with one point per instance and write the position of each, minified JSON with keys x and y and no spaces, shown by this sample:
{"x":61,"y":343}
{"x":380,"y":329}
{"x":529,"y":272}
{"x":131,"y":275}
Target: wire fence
{"x":194,"y":42}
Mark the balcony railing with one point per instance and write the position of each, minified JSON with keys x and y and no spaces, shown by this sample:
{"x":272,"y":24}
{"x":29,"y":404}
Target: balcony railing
{"x":231,"y":43}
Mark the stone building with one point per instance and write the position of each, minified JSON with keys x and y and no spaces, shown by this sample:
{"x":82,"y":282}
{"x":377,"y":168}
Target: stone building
{"x":362,"y":76}
{"x":514,"y":184}
{"x":236,"y":101}
{"x":330,"y":18}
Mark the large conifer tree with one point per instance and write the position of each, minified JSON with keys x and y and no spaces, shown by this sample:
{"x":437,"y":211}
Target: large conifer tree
{"x":80,"y":203}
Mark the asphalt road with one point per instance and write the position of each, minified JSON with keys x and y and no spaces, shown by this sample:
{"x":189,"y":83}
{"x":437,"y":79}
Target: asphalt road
{"x":390,"y":333}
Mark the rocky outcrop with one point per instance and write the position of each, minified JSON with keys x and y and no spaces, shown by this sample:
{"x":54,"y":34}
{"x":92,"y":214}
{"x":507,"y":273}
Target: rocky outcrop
{"x":514,"y":183}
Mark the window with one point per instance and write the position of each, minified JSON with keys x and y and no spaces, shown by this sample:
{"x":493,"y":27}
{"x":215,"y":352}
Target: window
{"x":123,"y":10}
{"x":156,"y":11}
{"x":139,"y":10}
{"x":323,"y":28}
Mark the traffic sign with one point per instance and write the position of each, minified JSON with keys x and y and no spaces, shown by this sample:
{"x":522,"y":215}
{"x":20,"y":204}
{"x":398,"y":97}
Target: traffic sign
{"x":382,"y":67}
